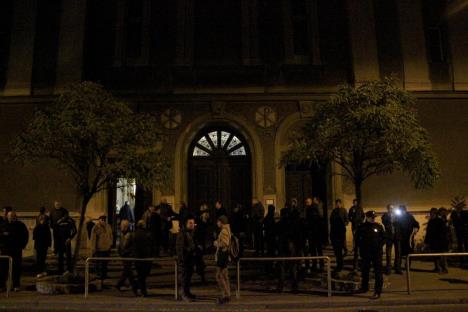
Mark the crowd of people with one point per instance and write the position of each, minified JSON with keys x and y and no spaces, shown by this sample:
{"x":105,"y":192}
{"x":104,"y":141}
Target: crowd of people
{"x":190,"y":234}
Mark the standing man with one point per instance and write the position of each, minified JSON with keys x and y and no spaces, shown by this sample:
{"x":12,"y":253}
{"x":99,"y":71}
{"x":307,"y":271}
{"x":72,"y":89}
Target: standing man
{"x":338,"y":222}
{"x":370,"y":238}
{"x":101,"y":243}
{"x":185,"y":249}
{"x":166,"y":214}
{"x":42,"y":242}
{"x":17,"y":236}
{"x":388,"y":220}
{"x":65,"y":231}
{"x":356,"y":217}
{"x":257,"y":214}
{"x":437,"y":239}
{"x":406,"y":228}
{"x":56,"y":214}
{"x":126,"y":213}
{"x":315,"y":232}
{"x":126,"y":250}
{"x":142,"y":250}
{"x":459,"y":221}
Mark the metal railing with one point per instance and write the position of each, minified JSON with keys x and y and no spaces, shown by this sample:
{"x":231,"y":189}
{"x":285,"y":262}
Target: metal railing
{"x":123,"y":259}
{"x":427,"y":255}
{"x":10,"y":274}
{"x":329,"y":288}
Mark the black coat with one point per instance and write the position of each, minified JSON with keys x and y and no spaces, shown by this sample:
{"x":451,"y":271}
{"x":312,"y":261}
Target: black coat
{"x":437,"y":235}
{"x":141,"y":244}
{"x":56,"y":215}
{"x":42,"y":237}
{"x":16,"y":236}
{"x":338,"y":220}
{"x":370,"y":238}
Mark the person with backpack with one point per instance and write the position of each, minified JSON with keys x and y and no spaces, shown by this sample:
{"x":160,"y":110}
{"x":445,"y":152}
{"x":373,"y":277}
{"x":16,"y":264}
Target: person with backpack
{"x":222,"y":244}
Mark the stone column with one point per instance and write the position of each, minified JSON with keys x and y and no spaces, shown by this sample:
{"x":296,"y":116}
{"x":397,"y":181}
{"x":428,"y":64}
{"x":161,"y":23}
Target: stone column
{"x":249,"y":32}
{"x":185,"y":33}
{"x":18,"y":77}
{"x":70,"y":44}
{"x":363,"y":40}
{"x":458,"y":35}
{"x":413,"y":44}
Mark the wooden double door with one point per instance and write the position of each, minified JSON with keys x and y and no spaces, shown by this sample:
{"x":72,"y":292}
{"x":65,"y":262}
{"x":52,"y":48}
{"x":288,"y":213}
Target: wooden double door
{"x":219,"y":169}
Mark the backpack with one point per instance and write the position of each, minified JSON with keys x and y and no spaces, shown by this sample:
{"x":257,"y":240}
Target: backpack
{"x":234,"y":248}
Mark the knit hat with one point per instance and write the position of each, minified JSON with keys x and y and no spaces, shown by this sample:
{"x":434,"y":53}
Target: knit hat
{"x":223,"y":219}
{"x":370,"y":214}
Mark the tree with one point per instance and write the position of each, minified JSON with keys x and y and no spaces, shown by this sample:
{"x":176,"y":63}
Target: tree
{"x":371,"y":129}
{"x":97,"y":139}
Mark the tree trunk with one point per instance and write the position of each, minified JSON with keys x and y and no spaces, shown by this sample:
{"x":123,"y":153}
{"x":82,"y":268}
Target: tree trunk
{"x":86,"y":199}
{"x":358,"y":191}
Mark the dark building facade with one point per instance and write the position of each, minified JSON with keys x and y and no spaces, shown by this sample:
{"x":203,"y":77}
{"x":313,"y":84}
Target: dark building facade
{"x":228,"y":81}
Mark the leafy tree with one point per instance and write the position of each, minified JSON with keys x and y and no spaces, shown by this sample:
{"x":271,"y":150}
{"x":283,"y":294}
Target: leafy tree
{"x":371,"y":129}
{"x":96,"y":138}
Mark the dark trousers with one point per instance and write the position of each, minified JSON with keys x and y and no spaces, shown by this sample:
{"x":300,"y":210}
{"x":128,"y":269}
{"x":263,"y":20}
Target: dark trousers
{"x":373,"y":259}
{"x":462,"y":245}
{"x":3,"y":271}
{"x":17,"y":256}
{"x":257,"y":232}
{"x":315,"y":250}
{"x":143,"y":270}
{"x":338,"y":250}
{"x":64,"y":251}
{"x":101,"y":266}
{"x":186,"y":269}
{"x":41,"y":255}
{"x":127,"y":273}
{"x":288,"y":268}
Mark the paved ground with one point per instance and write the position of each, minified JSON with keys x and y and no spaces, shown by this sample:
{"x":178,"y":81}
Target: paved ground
{"x":431,"y":292}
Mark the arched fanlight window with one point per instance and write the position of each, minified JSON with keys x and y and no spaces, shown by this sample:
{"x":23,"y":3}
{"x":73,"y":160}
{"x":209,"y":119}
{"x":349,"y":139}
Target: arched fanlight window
{"x":219,"y":141}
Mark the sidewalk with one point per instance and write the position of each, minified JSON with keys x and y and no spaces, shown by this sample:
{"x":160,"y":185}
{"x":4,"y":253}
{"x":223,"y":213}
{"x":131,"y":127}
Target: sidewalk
{"x":430,"y":290}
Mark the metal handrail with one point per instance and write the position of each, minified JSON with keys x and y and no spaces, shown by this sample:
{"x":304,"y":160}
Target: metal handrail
{"x":286,"y":259}
{"x":10,"y":273}
{"x":408,"y":257}
{"x":112,"y":259}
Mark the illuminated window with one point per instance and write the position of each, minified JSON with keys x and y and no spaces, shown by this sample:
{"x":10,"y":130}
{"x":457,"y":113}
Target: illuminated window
{"x":219,"y":142}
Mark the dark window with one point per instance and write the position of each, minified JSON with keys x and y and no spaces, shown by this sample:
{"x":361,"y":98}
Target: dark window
{"x":217,"y":32}
{"x":6,"y":12}
{"x":134,"y":28}
{"x":435,"y":45}
{"x":388,"y":39}
{"x":46,"y":46}
{"x":300,"y":25}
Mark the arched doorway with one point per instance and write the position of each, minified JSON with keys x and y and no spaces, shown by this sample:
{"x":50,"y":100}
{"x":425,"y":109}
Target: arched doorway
{"x":219,"y":168}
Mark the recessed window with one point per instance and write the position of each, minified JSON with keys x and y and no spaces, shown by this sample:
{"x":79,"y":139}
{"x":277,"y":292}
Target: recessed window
{"x":219,"y":141}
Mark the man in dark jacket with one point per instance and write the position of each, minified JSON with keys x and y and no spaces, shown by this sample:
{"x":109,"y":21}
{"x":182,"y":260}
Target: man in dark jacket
{"x":185,"y":250}
{"x":42,"y":242}
{"x":257,"y":214}
{"x":338,"y":222}
{"x":64,"y":232}
{"x":314,"y":227}
{"x":406,"y":228}
{"x":388,"y":221}
{"x":166,"y":213}
{"x":56,"y":214}
{"x":142,"y":249}
{"x":459,"y":221}
{"x":290,"y":244}
{"x":370,"y":238}
{"x":437,"y":239}
{"x":356,"y":217}
{"x":126,"y":247}
{"x":17,"y":236}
